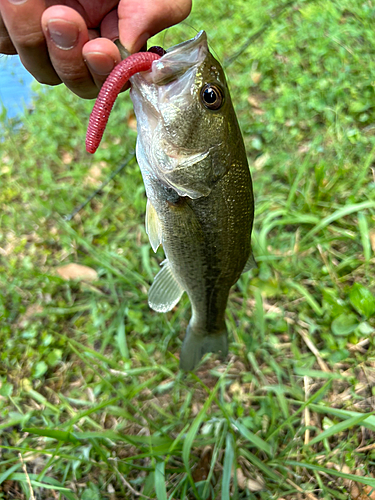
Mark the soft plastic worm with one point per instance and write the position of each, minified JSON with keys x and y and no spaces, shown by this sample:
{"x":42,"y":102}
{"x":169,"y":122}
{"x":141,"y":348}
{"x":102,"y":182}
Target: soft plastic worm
{"x":141,"y":61}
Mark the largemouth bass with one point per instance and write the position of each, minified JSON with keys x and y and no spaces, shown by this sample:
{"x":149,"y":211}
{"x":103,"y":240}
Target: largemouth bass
{"x":200,"y":201}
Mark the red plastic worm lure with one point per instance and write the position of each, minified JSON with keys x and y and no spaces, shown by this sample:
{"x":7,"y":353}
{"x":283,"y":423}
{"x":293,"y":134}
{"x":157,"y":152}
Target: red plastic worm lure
{"x":135,"y":63}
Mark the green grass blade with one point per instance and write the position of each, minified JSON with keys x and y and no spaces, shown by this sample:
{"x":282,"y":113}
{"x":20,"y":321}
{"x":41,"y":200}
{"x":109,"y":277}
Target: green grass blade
{"x":338,"y":214}
{"x":259,"y":312}
{"x":8,"y":472}
{"x":66,"y":456}
{"x":91,"y":352}
{"x":300,"y":173}
{"x":309,"y":298}
{"x":253,"y":438}
{"x":364,"y":171}
{"x":121,"y":338}
{"x":188,"y":443}
{"x":154,"y":441}
{"x":42,"y":400}
{"x":66,"y":437}
{"x":316,"y":396}
{"x":306,"y":372}
{"x":88,"y":412}
{"x":368,"y":422}
{"x":365,"y":236}
{"x":333,"y":472}
{"x":49,"y":483}
{"x":259,"y":464}
{"x":227,"y":467}
{"x":13,"y":422}
{"x":159,"y":476}
{"x":340,"y":427}
{"x":219,"y":442}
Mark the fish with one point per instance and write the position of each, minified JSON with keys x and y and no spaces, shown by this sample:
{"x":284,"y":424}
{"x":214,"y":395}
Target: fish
{"x":200,"y":203}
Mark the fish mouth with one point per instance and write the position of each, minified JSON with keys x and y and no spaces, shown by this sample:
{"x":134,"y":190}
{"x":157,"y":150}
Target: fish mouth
{"x":179,"y":59}
{"x":167,"y":87}
{"x":176,"y":62}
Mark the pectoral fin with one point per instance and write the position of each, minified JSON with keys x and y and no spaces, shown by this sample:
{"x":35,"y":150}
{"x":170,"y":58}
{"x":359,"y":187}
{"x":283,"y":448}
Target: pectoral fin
{"x":250,"y":264}
{"x":153,"y":226}
{"x":165,"y":291}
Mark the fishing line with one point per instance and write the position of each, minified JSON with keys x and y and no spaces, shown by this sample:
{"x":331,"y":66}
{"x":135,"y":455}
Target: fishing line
{"x":97,"y":191}
{"x":176,"y":32}
{"x":256,"y":35}
{"x":185,"y":23}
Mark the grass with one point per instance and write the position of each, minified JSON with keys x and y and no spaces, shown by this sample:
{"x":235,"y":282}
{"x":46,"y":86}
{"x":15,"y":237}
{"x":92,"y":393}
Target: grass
{"x":92,"y":404}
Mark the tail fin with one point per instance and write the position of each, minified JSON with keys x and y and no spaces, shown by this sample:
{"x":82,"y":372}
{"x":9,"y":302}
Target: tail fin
{"x":196,"y":344}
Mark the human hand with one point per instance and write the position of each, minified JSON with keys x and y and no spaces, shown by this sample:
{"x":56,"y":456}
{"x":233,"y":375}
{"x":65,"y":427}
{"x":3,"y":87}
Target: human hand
{"x":74,"y":44}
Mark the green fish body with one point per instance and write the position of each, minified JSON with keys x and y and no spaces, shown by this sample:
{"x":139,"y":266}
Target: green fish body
{"x":200,"y":201}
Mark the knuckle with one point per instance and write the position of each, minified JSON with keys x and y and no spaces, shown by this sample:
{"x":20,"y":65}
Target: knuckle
{"x":7,"y":47}
{"x":29,"y":40}
{"x":78,"y":81}
{"x":85,"y":93}
{"x":45,"y":80}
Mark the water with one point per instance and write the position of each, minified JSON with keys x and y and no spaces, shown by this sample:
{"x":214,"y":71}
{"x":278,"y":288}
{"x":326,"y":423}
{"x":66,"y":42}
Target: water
{"x":15,"y":86}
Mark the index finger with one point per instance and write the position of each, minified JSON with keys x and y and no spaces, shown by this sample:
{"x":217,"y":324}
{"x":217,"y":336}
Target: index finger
{"x":6,"y":45}
{"x":22,"y":21}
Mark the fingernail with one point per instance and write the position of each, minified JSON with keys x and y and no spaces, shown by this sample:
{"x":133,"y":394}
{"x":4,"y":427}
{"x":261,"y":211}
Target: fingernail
{"x":123,"y":52}
{"x":99,"y":63}
{"x":64,"y":34}
{"x":142,"y":40}
{"x":137,"y":45}
{"x":17,"y":2}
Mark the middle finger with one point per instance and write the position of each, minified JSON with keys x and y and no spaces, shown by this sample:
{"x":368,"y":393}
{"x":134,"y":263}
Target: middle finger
{"x":66,"y":33}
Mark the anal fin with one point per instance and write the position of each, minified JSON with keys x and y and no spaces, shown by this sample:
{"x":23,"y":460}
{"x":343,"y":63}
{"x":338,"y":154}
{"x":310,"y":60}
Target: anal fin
{"x":250,"y":264}
{"x":165,"y":291}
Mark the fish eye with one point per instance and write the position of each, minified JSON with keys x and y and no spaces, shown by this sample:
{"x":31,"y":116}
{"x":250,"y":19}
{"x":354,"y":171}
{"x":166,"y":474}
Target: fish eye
{"x":212,"y":96}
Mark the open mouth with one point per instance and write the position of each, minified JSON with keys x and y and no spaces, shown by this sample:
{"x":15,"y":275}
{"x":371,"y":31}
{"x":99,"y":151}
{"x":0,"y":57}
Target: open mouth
{"x":179,"y":59}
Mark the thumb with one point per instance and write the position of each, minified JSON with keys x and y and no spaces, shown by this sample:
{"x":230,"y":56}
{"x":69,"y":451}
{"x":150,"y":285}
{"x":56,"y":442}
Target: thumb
{"x":141,"y":19}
